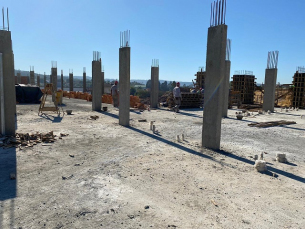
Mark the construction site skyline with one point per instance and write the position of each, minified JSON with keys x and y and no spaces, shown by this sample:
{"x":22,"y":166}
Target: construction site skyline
{"x":159,"y":30}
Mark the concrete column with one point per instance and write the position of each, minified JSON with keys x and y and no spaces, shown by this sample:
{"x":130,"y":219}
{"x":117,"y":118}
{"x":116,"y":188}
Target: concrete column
{"x":32,"y":77}
{"x":62,"y":80}
{"x":96,"y":85}
{"x":7,"y":85}
{"x":54,"y":78}
{"x":44,"y":80}
{"x":84,"y":80}
{"x":154,"y":91}
{"x":103,"y":82}
{"x":71,"y":81}
{"x":38,"y":80}
{"x":269,"y":92}
{"x":213,"y":95}
{"x":18,"y":78}
{"x":124,"y":86}
{"x":226,"y":87}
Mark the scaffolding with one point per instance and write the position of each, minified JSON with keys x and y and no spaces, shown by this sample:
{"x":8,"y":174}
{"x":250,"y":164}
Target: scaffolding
{"x":245,"y":85}
{"x":200,"y":78}
{"x":298,"y":98}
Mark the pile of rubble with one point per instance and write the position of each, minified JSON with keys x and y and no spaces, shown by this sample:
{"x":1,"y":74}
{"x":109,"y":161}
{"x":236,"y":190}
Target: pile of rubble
{"x":28,"y":140}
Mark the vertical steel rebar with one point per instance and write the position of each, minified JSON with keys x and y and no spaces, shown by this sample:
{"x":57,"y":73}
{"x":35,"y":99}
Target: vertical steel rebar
{"x":277,"y":58}
{"x":3,"y":17}
{"x":211,"y":16}
{"x":216,"y":13}
{"x":8,"y":23}
{"x":219,"y":12}
{"x":225,"y":11}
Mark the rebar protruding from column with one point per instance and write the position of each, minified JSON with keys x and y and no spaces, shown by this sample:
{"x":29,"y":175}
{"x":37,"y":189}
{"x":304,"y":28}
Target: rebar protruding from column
{"x":84,"y":69}
{"x":272,"y":60}
{"x":201,"y":69}
{"x":218,"y":13}
{"x":243,"y":72}
{"x":54,"y":64}
{"x":7,"y":20}
{"x":155,"y":63}
{"x":228,"y":50}
{"x":125,"y":39}
{"x":301,"y":69}
{"x":31,"y":68}
{"x":70,"y":71}
{"x":96,"y":56}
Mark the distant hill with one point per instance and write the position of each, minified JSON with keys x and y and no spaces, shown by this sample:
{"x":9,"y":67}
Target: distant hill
{"x":27,"y":73}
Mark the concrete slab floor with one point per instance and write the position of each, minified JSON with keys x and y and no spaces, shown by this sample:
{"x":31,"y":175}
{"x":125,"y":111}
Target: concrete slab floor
{"x":128,"y":177}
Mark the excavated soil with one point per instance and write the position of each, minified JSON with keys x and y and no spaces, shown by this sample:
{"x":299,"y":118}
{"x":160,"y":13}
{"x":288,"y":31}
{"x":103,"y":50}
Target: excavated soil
{"x":103,"y":175}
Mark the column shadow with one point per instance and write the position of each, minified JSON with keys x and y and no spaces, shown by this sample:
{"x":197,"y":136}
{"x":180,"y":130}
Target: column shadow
{"x":270,"y":168}
{"x":8,"y":186}
{"x":222,"y":152}
{"x":288,"y":114}
{"x":190,"y":115}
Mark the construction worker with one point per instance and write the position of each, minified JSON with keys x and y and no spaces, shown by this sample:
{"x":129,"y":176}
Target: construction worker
{"x":115,"y":94}
{"x":177,"y":96}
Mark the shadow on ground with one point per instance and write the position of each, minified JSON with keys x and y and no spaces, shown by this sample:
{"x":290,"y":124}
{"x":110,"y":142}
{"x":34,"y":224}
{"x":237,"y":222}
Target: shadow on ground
{"x":8,"y":186}
{"x":228,"y":154}
{"x":53,"y":118}
{"x":270,"y":168}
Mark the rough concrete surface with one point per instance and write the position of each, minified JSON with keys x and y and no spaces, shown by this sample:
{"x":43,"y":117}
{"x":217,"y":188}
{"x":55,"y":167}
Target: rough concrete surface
{"x":104,"y":175}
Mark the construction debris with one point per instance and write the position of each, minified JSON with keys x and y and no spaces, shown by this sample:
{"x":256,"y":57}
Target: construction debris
{"x":28,"y":140}
{"x":67,"y":178}
{"x":214,"y":202}
{"x":269,"y":124}
{"x":260,"y":165}
{"x":281,"y":157}
{"x":94,"y":117}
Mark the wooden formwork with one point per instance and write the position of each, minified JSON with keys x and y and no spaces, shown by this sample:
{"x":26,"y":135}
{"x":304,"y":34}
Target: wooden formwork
{"x":298,"y":98}
{"x":245,"y":84}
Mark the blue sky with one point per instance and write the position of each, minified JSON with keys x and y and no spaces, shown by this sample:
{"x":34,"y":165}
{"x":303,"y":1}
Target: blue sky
{"x":173,"y":31}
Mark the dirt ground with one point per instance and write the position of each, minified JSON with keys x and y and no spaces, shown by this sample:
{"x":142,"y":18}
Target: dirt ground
{"x":104,"y":175}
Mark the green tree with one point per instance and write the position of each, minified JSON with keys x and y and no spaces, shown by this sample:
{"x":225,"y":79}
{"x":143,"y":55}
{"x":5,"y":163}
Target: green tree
{"x":174,"y":84}
{"x":142,"y":93}
{"x":163,"y":86}
{"x":148,"y":84}
{"x":133,"y":90}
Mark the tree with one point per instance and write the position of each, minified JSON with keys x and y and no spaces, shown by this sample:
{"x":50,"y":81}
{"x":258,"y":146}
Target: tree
{"x":133,"y":90}
{"x":143,"y":93}
{"x":163,"y":86}
{"x":148,"y":84}
{"x":174,"y":84}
